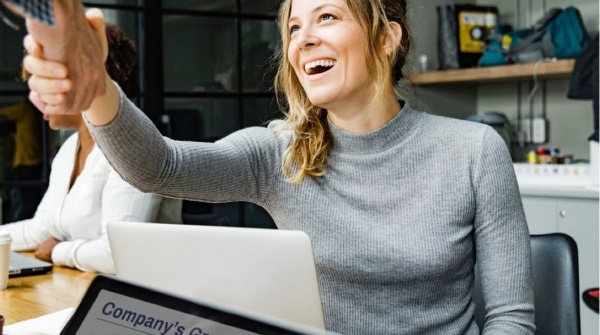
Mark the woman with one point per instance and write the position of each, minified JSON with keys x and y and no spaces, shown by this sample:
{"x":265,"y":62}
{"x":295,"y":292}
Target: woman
{"x":399,"y":204}
{"x":84,"y":193}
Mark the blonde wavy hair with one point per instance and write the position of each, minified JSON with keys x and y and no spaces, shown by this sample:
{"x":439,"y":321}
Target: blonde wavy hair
{"x":307,"y":154}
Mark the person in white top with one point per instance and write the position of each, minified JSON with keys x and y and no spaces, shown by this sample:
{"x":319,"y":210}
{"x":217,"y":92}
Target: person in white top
{"x":84,"y":192}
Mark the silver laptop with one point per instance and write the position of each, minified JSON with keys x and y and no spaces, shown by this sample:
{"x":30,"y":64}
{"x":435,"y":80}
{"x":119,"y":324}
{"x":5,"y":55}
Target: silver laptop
{"x":21,"y":265}
{"x":264,"y":271}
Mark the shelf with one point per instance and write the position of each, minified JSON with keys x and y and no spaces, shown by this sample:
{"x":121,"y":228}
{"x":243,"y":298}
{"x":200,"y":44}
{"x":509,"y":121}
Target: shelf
{"x":550,"y":69}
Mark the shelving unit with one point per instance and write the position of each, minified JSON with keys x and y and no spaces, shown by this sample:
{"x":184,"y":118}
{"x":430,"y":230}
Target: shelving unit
{"x":546,"y":70}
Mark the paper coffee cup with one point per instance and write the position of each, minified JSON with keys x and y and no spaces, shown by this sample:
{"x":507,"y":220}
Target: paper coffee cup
{"x":5,"y":241}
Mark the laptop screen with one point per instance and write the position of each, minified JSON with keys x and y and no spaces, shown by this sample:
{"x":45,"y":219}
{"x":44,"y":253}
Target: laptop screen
{"x":114,"y":306}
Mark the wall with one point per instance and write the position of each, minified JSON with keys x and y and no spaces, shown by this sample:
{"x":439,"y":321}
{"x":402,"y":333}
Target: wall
{"x":449,"y":100}
{"x":570,"y":121}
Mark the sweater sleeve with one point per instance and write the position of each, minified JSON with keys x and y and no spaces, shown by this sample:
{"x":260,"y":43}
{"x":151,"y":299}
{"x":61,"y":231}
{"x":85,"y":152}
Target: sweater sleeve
{"x":502,"y":242}
{"x":120,"y":202}
{"x":224,"y":171}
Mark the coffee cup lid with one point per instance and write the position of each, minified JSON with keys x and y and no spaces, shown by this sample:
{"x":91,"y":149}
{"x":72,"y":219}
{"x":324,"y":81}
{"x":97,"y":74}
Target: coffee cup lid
{"x":5,"y":237}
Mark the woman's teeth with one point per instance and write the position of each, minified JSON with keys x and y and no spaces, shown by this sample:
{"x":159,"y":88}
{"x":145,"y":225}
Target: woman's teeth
{"x":318,"y":66}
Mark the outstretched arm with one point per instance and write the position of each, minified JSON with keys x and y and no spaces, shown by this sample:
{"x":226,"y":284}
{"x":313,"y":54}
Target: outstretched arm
{"x":66,"y":36}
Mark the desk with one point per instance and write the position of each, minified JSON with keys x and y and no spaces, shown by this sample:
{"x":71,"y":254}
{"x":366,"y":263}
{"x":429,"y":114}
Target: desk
{"x":32,"y":296}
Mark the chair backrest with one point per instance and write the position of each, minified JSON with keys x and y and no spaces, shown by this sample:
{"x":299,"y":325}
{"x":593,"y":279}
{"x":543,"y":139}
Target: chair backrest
{"x":555,"y":285}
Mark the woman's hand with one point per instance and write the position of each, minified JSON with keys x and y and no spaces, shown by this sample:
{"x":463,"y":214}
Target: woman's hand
{"x":44,"y":251}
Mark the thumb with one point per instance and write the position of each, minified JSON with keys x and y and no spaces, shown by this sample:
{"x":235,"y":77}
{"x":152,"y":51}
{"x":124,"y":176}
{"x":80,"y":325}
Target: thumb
{"x":96,"y":19}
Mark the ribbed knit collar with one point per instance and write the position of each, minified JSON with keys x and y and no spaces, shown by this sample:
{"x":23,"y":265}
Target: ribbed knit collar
{"x":379,"y":140}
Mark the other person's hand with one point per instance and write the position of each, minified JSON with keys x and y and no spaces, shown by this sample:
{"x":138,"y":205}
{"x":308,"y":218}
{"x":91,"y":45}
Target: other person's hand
{"x":75,"y":43}
{"x":44,"y":252}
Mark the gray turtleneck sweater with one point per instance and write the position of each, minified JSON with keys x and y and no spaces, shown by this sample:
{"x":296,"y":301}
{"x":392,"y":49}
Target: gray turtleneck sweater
{"x":397,"y":222}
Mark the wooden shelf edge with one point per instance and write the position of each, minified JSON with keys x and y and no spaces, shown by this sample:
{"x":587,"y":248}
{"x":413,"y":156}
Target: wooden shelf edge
{"x":550,"y":69}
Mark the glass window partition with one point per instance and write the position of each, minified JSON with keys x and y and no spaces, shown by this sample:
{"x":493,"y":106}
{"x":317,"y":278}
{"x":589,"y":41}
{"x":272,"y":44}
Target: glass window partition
{"x":200,"y":54}
{"x":203,"y":5}
{"x":200,"y":119}
{"x":268,"y":8}
{"x":126,"y":20}
{"x":260,"y":111}
{"x":259,"y":43}
{"x":11,"y":44}
{"x":112,"y":2}
{"x":218,"y":77}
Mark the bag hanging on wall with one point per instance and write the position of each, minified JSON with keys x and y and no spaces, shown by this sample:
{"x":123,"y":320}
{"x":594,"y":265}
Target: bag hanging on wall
{"x":568,"y":34}
{"x":533,"y":44}
{"x":558,"y":34}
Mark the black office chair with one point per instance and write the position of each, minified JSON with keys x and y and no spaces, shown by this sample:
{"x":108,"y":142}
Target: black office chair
{"x":555,"y":286}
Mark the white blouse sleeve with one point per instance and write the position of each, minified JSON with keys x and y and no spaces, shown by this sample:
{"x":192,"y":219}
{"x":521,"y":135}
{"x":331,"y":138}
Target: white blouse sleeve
{"x":120,"y":202}
{"x":28,"y":234}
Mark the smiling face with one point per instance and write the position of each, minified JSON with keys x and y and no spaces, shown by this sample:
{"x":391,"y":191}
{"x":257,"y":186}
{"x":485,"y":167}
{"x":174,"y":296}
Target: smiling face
{"x":326,"y":53}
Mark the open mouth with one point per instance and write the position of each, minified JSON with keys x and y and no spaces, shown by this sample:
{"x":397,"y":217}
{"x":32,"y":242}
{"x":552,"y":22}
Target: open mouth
{"x":318,"y":66}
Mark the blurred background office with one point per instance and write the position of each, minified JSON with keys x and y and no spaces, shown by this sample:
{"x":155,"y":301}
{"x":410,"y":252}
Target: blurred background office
{"x":205,"y":72}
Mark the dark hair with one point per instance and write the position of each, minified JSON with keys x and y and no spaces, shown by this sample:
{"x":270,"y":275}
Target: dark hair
{"x":121,"y":63}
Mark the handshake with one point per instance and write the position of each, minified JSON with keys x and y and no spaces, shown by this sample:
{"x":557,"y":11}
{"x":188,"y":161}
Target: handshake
{"x":64,"y":65}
